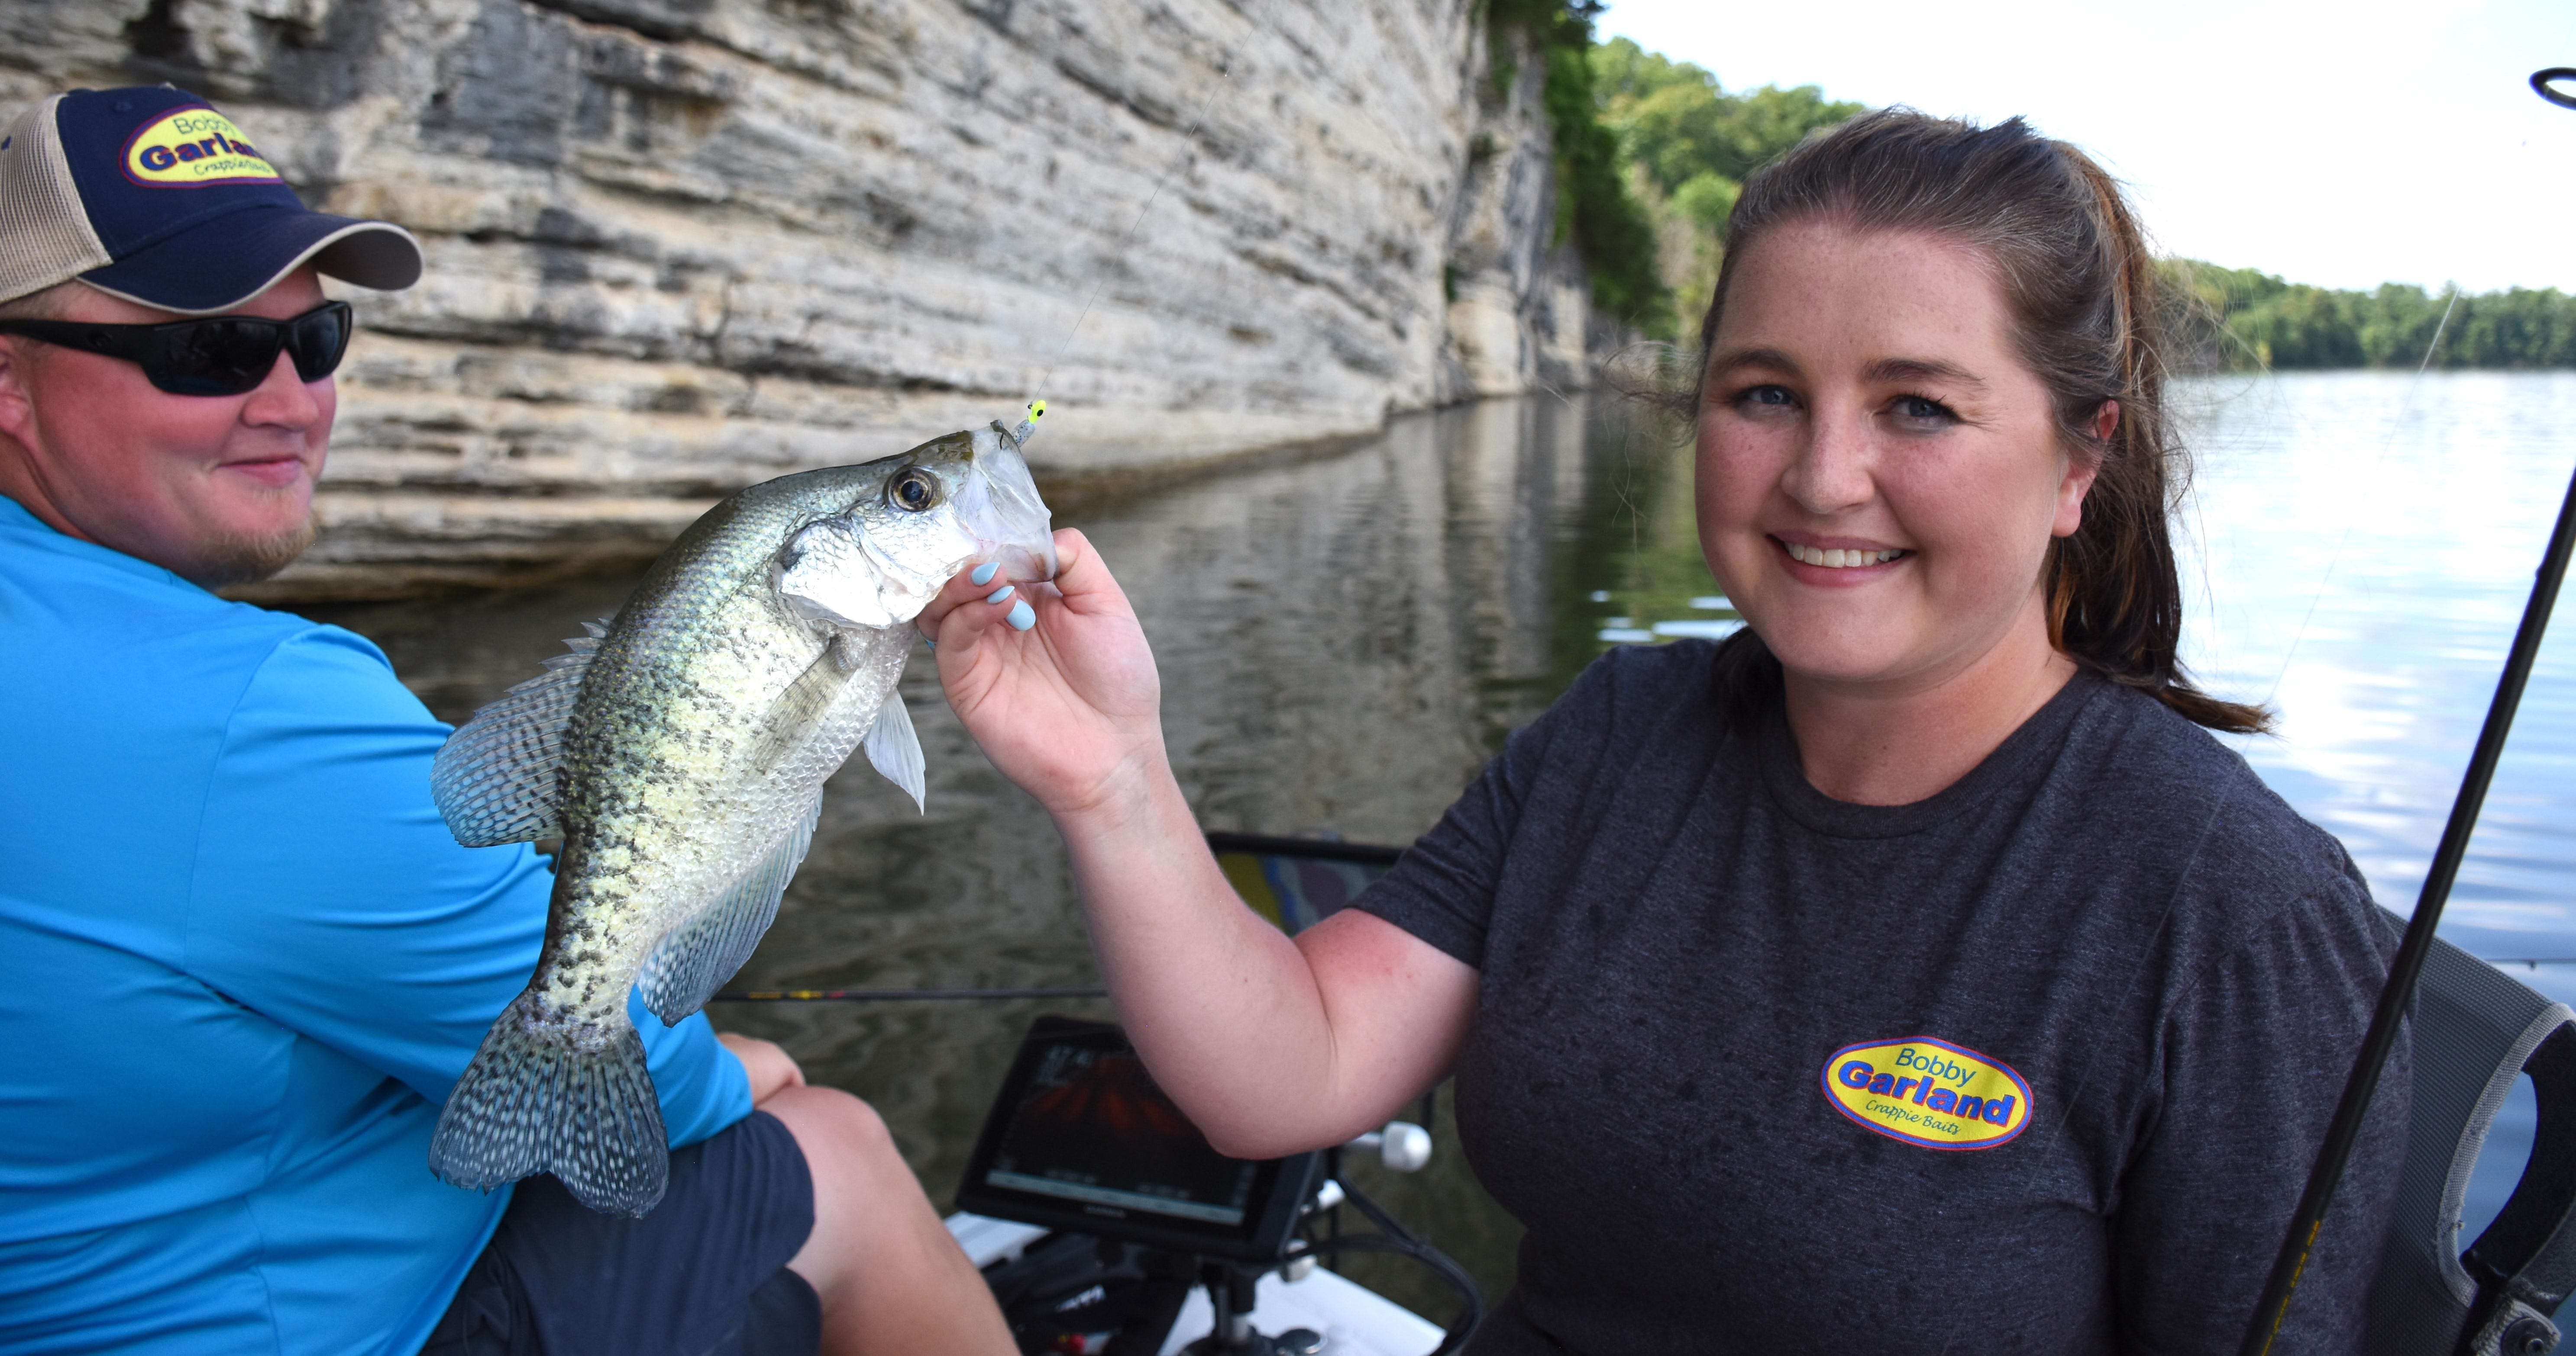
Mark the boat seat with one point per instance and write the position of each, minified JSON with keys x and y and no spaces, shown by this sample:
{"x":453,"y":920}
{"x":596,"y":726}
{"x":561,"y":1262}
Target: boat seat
{"x":1298,"y":882}
{"x":2475,"y":1031}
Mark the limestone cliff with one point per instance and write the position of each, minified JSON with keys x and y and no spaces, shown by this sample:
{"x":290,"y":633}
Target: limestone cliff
{"x":679,"y":246}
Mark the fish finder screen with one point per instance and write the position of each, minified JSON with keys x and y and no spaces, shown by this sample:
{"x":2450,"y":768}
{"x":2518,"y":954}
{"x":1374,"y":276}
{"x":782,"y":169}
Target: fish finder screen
{"x":1093,"y":1128}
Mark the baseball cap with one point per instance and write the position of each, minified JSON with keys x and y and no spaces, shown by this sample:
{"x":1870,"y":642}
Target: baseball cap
{"x":151,"y":195}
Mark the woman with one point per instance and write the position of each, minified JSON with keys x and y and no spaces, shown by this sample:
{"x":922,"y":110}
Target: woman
{"x":1911,"y":967}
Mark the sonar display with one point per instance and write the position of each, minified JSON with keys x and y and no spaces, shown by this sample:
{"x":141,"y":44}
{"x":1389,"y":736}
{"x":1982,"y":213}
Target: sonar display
{"x":1093,"y":1128}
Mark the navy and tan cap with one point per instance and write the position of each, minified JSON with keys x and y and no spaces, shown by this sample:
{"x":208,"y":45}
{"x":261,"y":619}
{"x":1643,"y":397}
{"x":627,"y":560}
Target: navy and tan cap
{"x":151,"y":195}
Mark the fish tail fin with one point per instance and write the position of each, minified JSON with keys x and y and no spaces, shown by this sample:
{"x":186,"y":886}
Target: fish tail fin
{"x":570,"y":1098}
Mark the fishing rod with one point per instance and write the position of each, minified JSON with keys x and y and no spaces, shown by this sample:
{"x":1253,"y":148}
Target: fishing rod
{"x":2545,"y":84}
{"x":2398,"y":996}
{"x":898,"y":995}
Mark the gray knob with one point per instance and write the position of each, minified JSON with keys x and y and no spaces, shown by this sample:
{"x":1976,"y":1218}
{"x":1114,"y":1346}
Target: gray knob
{"x":2532,"y":1336}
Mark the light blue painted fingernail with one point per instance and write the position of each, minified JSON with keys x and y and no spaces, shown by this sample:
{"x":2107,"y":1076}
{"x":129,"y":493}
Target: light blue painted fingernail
{"x":984,"y":573}
{"x":1001,"y":594}
{"x":1022,"y":616}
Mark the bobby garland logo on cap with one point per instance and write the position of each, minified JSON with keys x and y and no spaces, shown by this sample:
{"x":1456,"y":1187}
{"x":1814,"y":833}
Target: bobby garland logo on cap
{"x":231,"y":231}
{"x":190,"y":147}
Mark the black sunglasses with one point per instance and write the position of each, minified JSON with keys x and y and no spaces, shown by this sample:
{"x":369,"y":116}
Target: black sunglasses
{"x":218,"y":356}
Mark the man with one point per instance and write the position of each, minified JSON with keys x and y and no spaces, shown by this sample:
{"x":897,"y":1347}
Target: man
{"x":241,"y":960}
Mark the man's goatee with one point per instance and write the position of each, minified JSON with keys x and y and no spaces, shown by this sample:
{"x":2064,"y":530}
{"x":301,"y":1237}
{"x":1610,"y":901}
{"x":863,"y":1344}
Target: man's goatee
{"x":245,"y":560}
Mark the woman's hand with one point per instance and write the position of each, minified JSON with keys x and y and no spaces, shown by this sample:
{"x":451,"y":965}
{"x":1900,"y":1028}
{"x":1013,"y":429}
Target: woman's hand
{"x":770,"y":1069}
{"x":1055,"y":681}
{"x":1270,"y":1045}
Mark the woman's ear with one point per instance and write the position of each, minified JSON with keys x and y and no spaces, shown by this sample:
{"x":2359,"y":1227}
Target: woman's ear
{"x":2078,"y":478}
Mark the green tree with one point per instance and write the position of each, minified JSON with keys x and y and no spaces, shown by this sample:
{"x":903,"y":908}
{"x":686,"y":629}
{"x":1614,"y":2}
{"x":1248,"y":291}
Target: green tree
{"x":2241,"y":318}
{"x":1692,"y":145}
{"x":1657,"y":168}
{"x":1678,"y":124}
{"x":2515,"y":328}
{"x":1668,"y":113}
{"x":1609,"y":228}
{"x":1707,"y":198}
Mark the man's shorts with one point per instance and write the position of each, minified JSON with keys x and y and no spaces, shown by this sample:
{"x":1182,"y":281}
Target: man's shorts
{"x":704,"y":1274}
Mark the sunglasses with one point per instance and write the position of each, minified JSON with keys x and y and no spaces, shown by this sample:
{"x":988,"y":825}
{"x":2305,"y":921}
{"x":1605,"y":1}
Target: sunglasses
{"x":221,"y":355}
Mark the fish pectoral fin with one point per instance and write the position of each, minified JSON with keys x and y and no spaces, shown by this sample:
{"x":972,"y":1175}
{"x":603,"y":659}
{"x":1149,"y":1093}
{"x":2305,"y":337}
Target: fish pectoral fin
{"x":793,"y":718}
{"x":495,"y":778}
{"x":695,"y":959}
{"x":895,"y":750}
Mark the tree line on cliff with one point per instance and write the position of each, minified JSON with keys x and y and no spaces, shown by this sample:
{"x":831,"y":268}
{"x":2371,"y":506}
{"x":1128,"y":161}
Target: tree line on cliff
{"x":1652,"y":152}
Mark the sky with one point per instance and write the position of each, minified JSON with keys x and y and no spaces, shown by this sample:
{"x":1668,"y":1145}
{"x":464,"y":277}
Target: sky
{"x":2341,"y":144}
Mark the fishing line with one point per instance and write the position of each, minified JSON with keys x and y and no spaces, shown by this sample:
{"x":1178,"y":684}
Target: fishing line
{"x":2326,"y":580}
{"x":899,"y":995}
{"x":1224,"y":72}
{"x":2308,"y":1221}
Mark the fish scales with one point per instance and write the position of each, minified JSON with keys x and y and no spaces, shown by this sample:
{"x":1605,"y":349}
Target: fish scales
{"x":762,"y":649}
{"x":655,"y":753}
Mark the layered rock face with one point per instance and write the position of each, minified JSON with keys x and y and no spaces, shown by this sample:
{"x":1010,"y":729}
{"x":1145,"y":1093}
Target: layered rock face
{"x":679,"y":246}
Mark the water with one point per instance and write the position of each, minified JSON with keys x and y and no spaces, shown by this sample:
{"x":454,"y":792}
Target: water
{"x":1345,"y":638}
{"x":2366,"y":542}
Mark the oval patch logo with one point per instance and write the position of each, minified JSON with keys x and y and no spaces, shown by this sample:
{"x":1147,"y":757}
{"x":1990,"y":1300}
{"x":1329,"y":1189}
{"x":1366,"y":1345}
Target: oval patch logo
{"x":193,"y":146}
{"x":1928,"y":1092}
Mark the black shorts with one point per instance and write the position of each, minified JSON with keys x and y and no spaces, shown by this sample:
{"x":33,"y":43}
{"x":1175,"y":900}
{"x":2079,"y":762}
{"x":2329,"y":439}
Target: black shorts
{"x":704,"y":1274}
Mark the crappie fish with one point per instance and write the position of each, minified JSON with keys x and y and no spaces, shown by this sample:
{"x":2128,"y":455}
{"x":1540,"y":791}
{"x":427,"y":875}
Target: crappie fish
{"x":680,"y":752}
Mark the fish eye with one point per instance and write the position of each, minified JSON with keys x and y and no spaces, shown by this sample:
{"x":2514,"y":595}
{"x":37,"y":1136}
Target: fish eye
{"x":912,"y":490}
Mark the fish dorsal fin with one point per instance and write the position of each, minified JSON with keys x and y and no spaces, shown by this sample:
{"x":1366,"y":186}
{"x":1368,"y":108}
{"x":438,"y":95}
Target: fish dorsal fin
{"x":697,"y":957}
{"x":495,"y":778}
{"x":896,"y":751}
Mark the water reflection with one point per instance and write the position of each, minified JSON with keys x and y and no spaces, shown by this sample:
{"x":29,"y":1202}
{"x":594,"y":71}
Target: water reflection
{"x":1345,"y":639}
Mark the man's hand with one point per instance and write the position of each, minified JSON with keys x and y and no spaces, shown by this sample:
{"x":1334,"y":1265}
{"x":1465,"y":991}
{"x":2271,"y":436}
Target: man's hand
{"x":770,"y":1068}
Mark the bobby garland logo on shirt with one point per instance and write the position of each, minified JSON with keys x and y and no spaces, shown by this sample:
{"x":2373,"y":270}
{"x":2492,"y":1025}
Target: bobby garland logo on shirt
{"x":1928,"y":1092}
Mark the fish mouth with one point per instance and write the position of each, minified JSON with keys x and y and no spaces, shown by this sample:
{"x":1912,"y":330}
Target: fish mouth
{"x":998,"y":505}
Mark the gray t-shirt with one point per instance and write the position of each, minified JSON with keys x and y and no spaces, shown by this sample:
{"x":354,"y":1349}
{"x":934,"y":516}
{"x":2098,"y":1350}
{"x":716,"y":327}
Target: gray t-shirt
{"x":1710,"y":998}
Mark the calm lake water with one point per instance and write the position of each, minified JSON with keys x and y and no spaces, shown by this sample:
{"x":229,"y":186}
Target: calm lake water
{"x":1345,"y":638}
{"x":2365,"y":545}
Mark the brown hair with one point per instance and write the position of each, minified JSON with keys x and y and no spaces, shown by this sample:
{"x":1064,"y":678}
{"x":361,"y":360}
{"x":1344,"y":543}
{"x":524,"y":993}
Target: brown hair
{"x":2081,"y":286}
{"x":45,"y":303}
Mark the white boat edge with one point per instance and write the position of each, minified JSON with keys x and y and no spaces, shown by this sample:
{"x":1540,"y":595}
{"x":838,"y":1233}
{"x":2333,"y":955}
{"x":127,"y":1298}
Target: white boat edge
{"x":1354,"y":1320}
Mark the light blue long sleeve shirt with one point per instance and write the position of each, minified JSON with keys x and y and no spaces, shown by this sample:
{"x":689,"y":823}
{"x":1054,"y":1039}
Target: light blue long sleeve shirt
{"x":241,"y":963}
